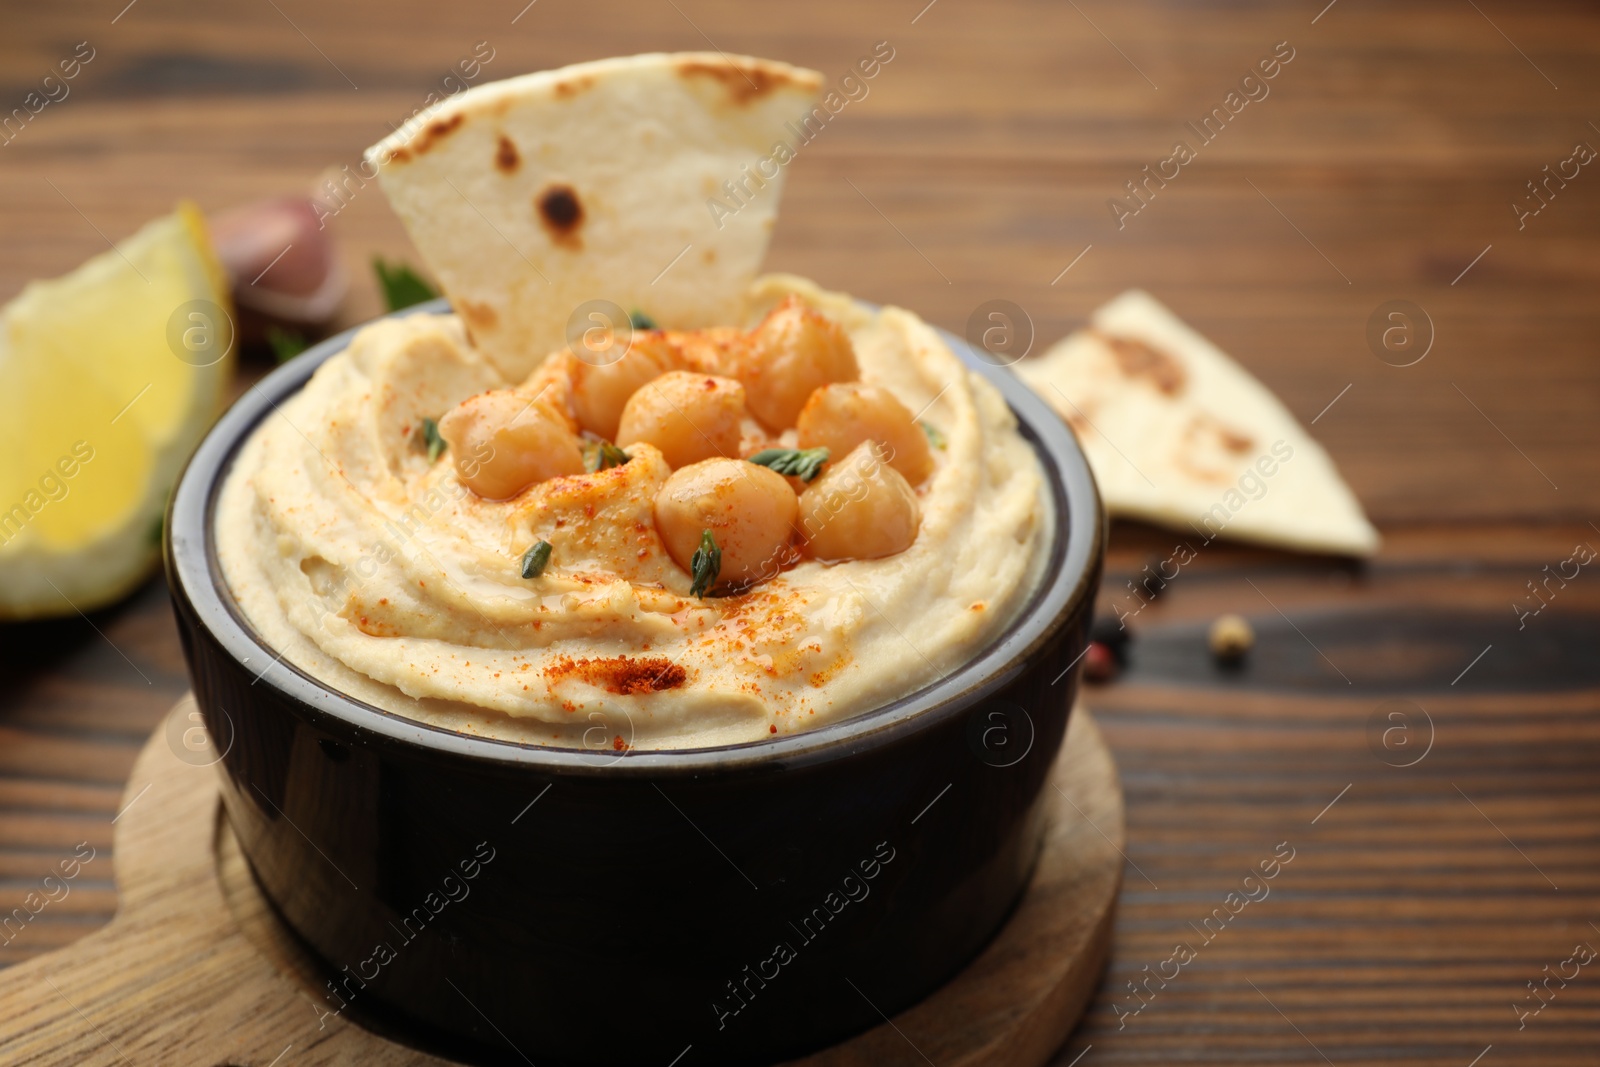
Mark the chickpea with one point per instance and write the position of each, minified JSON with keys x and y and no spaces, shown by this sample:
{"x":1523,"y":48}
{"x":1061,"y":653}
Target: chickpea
{"x":551,"y":382}
{"x":690,"y":417}
{"x":504,"y":441}
{"x":599,"y":393}
{"x":794,"y":351}
{"x":861,"y":508}
{"x":749,"y":510}
{"x":842,"y":415}
{"x":713,"y":350}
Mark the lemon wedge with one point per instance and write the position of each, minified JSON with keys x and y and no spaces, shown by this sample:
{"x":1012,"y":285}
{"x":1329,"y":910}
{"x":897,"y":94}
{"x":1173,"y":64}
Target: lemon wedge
{"x":109,"y":376}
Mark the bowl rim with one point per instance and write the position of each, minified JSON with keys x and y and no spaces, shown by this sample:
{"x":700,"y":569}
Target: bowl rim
{"x":1070,"y":576}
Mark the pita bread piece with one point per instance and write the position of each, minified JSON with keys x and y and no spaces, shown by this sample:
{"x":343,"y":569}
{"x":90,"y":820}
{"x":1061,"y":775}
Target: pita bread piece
{"x":530,"y":196}
{"x":1179,"y":434}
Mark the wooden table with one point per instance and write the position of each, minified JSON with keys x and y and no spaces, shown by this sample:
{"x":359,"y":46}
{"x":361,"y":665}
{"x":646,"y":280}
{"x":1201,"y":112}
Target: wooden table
{"x":1383,"y":165}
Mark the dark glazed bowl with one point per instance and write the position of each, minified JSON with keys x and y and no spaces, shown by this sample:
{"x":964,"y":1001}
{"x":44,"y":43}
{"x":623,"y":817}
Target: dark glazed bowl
{"x":501,"y":902}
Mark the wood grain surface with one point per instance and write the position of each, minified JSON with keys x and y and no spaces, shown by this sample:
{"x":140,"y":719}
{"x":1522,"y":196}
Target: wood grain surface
{"x":196,"y":967}
{"x":1383,"y":165}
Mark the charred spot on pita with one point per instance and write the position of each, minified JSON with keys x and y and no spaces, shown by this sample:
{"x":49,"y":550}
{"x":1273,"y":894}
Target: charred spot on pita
{"x":506,"y":159}
{"x":434,"y":132}
{"x":744,"y":82}
{"x":561,"y":212}
{"x":480,"y":315}
{"x":1209,"y":447}
{"x":1237,"y":443}
{"x":1138,"y":359}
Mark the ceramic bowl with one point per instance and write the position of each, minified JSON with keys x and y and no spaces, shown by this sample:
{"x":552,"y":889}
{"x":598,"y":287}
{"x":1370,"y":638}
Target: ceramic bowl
{"x":503,"y":902}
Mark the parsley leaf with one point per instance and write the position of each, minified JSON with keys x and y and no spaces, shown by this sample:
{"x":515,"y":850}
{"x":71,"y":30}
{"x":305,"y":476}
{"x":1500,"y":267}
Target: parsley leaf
{"x":640,"y":321}
{"x":286,"y":344}
{"x":430,"y":436}
{"x":803,"y":463}
{"x":536,"y":558}
{"x":603,"y":455}
{"x":935,"y":437}
{"x":402,"y":287}
{"x":705,"y":565}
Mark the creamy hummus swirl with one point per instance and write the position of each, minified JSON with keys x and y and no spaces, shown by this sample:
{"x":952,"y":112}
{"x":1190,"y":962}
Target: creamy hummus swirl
{"x":377,"y":572}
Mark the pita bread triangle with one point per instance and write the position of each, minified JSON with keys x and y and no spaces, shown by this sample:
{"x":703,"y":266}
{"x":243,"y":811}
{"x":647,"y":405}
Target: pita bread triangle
{"x":1179,"y":434}
{"x":531,"y":196}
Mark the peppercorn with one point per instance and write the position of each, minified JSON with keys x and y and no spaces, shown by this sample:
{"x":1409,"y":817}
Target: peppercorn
{"x":1231,"y":637}
{"x":1099,"y":663}
{"x":1109,"y":631}
{"x":1149,"y":581}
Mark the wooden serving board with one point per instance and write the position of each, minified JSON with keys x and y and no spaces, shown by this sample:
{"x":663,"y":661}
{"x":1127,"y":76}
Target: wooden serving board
{"x":196,"y":969}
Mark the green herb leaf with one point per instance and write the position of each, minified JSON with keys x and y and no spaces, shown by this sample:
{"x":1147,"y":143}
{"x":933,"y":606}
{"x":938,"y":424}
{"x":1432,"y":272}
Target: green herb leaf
{"x":430,"y":437}
{"x":803,"y":463}
{"x":535,"y":559}
{"x":402,"y":287}
{"x":935,"y":438}
{"x":603,"y":455}
{"x":640,"y":321}
{"x":705,"y":565}
{"x":286,"y":344}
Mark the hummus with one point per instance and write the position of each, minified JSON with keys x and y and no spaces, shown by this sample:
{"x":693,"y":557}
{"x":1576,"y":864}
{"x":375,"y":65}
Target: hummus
{"x":373,"y":569}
